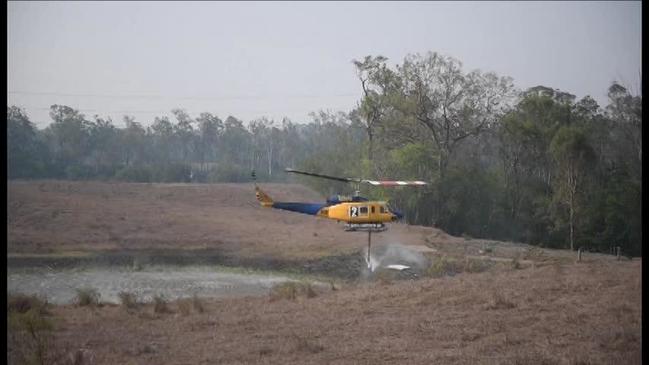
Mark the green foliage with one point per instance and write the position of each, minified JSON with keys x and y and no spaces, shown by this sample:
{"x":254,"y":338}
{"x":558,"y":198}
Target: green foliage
{"x":228,"y":172}
{"x":78,"y":172}
{"x":139,"y":174}
{"x":26,"y":153}
{"x":174,"y":172}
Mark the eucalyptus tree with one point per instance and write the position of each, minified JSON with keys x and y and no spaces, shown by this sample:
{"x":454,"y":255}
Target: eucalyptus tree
{"x":104,"y":144}
{"x":184,"y":132}
{"x":236,"y":143}
{"x":23,"y":158}
{"x":443,"y":105}
{"x":263,"y":143}
{"x":209,"y":128}
{"x":376,"y":81}
{"x":451,"y":104}
{"x":625,"y":111}
{"x":134,"y":141}
{"x":69,"y":136}
{"x":574,"y":157}
{"x":162,"y":132}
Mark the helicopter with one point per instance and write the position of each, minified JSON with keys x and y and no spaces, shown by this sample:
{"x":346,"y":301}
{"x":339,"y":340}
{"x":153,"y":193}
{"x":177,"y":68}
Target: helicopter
{"x":358,"y":213}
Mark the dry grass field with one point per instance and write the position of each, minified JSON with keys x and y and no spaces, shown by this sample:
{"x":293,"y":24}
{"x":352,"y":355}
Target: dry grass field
{"x":58,"y":217}
{"x":530,"y":306}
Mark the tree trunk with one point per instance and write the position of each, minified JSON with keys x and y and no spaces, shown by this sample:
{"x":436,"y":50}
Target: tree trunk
{"x":441,"y":165}
{"x":572,"y":184}
{"x":572,"y":224}
{"x":370,"y":146}
{"x":270,"y":160}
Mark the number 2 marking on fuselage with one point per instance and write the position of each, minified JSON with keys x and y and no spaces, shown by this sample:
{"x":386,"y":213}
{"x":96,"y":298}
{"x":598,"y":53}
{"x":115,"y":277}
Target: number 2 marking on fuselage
{"x":353,"y":211}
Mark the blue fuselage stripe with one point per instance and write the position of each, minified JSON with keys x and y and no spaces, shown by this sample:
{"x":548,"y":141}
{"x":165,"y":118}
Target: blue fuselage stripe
{"x":306,"y":208}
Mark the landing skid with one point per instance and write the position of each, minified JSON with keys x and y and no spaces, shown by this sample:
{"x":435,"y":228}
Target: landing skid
{"x":365,"y":227}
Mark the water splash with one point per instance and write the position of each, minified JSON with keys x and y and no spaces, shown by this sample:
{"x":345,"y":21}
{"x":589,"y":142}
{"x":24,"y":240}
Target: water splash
{"x":395,"y":254}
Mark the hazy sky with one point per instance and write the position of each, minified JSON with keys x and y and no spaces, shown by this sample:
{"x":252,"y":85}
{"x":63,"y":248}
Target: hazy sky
{"x":276,"y":59}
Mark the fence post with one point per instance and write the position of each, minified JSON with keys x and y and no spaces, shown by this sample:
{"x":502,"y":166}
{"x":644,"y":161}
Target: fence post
{"x":618,"y":252}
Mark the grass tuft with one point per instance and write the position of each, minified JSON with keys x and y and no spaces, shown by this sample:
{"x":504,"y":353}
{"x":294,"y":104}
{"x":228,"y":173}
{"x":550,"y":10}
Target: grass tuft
{"x":128,"y":300}
{"x":184,"y":306}
{"x":21,"y":303}
{"x":304,"y":345}
{"x":197,"y":304}
{"x":477,"y":266}
{"x":160,"y":304}
{"x":87,"y":297}
{"x":499,"y":301}
{"x":29,"y":331}
{"x":291,"y":290}
{"x":443,"y":266}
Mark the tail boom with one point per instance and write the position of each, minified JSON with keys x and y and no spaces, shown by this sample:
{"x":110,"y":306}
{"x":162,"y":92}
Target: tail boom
{"x":306,"y":208}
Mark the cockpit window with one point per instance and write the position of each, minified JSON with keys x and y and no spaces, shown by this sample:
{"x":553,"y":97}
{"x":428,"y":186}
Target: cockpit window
{"x":382,"y":210}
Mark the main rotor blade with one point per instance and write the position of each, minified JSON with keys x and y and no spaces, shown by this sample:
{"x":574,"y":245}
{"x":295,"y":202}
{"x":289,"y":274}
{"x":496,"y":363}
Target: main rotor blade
{"x":395,"y":183}
{"x":343,"y":179}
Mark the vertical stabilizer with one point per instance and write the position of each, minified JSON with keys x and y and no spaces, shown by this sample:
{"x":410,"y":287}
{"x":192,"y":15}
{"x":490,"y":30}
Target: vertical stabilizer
{"x":263,"y":198}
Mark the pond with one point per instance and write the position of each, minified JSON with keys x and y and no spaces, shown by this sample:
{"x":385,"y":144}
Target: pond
{"x":59,"y":286}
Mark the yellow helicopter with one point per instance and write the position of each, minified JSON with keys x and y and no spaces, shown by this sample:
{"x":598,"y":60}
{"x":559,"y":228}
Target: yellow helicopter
{"x":358,"y":213}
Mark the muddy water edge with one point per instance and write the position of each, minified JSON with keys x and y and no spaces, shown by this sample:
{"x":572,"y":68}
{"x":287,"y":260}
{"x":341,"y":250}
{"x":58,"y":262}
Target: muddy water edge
{"x":173,"y":274}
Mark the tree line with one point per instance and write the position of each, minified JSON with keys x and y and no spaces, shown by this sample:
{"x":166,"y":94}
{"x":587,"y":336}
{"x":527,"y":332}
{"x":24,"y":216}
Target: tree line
{"x":535,"y":166}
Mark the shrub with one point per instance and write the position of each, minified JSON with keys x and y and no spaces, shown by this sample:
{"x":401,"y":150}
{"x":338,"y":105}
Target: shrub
{"x":87,"y":297}
{"x":198,"y":305}
{"x":160,"y":304}
{"x":29,"y":332}
{"x":227,"y":172}
{"x":22,"y":303}
{"x":184,"y":306}
{"x":140,"y":174}
{"x":443,"y":266}
{"x":78,"y":172}
{"x":170,"y":173}
{"x":476,"y":266}
{"x":128,"y":300}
